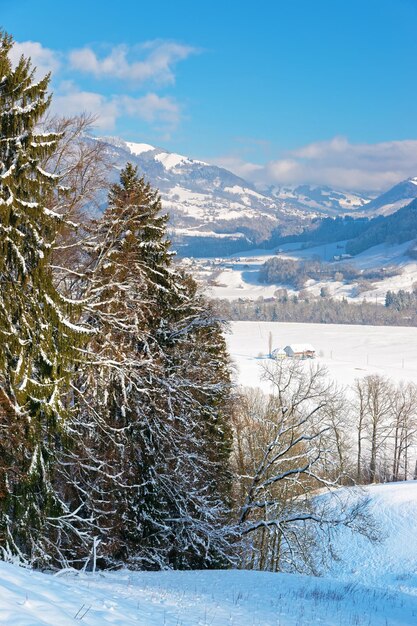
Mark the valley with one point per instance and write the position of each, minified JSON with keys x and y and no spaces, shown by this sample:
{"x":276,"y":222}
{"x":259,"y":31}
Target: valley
{"x":238,"y":276}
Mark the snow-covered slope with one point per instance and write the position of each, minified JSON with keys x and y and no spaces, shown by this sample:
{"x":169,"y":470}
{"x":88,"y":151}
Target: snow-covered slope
{"x":375,"y":585}
{"x":392,"y":561}
{"x":321,"y":200}
{"x":390,"y":201}
{"x":213,"y":212}
{"x":205,"y":201}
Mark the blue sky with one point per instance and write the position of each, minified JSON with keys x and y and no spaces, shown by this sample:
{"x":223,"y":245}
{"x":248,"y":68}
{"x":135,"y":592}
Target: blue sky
{"x":280,"y":91}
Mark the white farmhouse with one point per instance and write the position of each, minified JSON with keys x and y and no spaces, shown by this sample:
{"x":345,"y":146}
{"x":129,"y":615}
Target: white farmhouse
{"x":278,"y":353}
{"x":300,"y":351}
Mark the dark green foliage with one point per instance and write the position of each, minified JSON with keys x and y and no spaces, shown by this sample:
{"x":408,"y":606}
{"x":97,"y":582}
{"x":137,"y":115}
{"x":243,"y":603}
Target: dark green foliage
{"x":115,"y":437}
{"x":396,"y":228}
{"x":37,"y":338}
{"x":328,"y":230}
{"x":159,"y":389}
{"x":401,"y":300}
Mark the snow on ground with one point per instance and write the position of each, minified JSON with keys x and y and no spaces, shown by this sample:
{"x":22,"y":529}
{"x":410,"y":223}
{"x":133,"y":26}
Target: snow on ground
{"x":240,"y":282}
{"x":375,"y":585}
{"x":243,"y":272}
{"x":392,"y":561}
{"x":348,"y":351}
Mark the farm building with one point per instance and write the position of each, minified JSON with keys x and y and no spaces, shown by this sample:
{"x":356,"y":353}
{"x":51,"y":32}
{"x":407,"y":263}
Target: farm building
{"x":300,"y":351}
{"x":278,"y":353}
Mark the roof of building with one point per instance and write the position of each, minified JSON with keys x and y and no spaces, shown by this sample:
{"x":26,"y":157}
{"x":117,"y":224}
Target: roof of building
{"x":300,"y":347}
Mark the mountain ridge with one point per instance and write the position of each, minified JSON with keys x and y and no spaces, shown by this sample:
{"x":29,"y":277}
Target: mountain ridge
{"x":214,"y":212}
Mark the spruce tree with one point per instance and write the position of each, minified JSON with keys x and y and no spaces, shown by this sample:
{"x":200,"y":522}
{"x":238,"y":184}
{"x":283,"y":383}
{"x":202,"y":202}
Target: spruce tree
{"x":159,"y":391}
{"x":38,"y":340}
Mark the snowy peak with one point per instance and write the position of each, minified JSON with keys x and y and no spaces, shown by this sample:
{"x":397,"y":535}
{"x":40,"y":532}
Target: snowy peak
{"x":170,"y":160}
{"x":215,"y":212}
{"x":395,"y":198}
{"x":139,"y":148}
{"x":205,"y":202}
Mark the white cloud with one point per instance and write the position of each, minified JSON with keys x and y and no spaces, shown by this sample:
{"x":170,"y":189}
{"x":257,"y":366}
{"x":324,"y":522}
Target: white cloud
{"x":70,"y":100}
{"x":151,"y":108}
{"x":239,"y":166}
{"x":44,"y":59}
{"x":337,"y":163}
{"x":122,"y":62}
{"x":151,"y":61}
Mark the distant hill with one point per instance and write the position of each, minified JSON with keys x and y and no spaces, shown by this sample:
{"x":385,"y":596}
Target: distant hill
{"x":321,"y":200}
{"x":390,"y":201}
{"x":214,"y":212}
{"x":395,"y":228}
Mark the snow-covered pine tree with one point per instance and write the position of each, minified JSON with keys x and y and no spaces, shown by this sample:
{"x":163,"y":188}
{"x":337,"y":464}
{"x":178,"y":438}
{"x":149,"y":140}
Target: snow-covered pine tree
{"x":197,"y":392}
{"x":38,"y":340}
{"x":158,"y":394}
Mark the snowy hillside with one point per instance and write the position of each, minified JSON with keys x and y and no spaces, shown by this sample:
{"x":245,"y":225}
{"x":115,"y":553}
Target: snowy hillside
{"x":210,"y":208}
{"x":321,"y":200}
{"x":392,"y":561}
{"x":390,"y":201}
{"x":214,"y":212}
{"x":238,"y":276}
{"x":374,"y":585}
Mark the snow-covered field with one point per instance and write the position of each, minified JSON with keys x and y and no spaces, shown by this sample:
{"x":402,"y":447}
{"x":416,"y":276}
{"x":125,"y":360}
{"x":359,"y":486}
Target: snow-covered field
{"x":375,"y":585}
{"x":238,"y":275}
{"x":347,"y":351}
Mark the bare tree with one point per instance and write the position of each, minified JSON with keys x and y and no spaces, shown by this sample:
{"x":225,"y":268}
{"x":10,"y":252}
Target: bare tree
{"x":82,"y":166}
{"x":404,"y":414}
{"x":360,"y":409}
{"x":373,"y":395}
{"x":284,"y":451}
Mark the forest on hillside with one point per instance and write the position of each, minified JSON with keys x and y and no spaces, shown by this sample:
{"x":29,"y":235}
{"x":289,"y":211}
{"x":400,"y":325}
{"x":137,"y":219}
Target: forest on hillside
{"x":360,"y":233}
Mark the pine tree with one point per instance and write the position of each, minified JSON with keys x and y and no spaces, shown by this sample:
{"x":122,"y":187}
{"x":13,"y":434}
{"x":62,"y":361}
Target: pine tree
{"x":159,"y":395}
{"x":38,"y":340}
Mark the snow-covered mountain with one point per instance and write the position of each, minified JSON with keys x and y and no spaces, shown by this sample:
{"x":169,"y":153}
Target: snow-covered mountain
{"x":215,"y":212}
{"x":395,"y":198}
{"x":321,"y":199}
{"x":209,"y":206}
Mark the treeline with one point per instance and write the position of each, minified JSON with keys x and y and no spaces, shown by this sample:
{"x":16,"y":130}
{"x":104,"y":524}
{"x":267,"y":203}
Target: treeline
{"x":401,"y":300}
{"x":362,"y":434}
{"x":328,"y":230}
{"x":361,"y":233}
{"x":295,"y":274}
{"x":315,"y":310}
